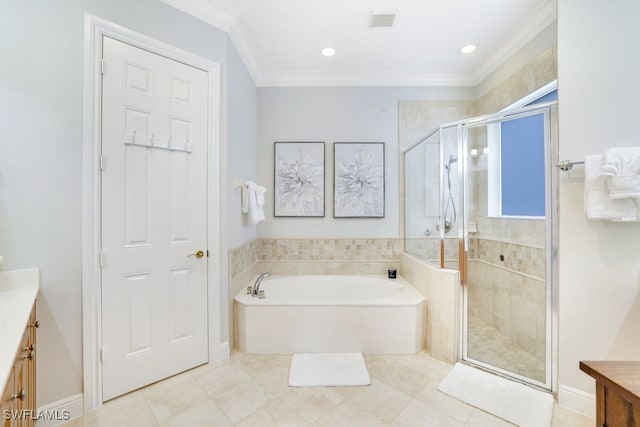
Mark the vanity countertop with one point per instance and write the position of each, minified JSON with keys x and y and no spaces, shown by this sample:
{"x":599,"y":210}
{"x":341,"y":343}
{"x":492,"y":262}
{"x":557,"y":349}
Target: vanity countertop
{"x":18,"y":291}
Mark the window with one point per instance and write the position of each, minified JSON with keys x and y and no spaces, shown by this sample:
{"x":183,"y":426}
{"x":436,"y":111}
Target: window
{"x":516,"y":164}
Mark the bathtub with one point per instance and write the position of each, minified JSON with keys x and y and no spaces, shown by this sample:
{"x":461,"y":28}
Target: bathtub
{"x":333,"y":314}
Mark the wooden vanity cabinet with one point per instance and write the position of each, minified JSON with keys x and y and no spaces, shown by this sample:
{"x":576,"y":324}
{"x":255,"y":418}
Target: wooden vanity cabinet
{"x":18,"y":405}
{"x":617,"y":392}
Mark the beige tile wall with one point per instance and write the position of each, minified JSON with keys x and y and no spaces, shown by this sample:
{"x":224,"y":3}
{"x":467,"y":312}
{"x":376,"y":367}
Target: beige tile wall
{"x":537,"y":73}
{"x":329,"y":249}
{"x":509,"y":295}
{"x":328,"y":256}
{"x":314,"y":256}
{"x":441,"y":289}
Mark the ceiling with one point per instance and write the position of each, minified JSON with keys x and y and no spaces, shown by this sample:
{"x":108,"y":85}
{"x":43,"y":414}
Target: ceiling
{"x":280,"y":40}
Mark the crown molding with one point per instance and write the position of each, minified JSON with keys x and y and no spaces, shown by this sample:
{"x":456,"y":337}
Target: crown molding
{"x":230,"y":21}
{"x":244,"y":46}
{"x":526,"y":31}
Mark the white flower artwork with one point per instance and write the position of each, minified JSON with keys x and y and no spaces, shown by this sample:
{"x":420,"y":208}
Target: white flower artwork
{"x":358,"y":180}
{"x":299,"y":179}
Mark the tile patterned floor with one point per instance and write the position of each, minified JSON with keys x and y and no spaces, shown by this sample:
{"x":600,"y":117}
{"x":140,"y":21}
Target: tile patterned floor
{"x":248,"y":390}
{"x":488,"y":345}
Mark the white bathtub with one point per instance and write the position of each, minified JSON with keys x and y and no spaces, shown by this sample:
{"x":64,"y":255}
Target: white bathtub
{"x":312,"y":314}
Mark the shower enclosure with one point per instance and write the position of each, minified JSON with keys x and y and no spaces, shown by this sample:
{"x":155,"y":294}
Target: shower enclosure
{"x":433,"y":223}
{"x":480,"y":197}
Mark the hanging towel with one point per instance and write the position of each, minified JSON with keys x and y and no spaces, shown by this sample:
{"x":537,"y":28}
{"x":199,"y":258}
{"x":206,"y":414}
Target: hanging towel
{"x":597,"y":203}
{"x":621,"y":166}
{"x":624,"y":187}
{"x":255,"y":195}
{"x":620,"y":161}
{"x":244,"y":197}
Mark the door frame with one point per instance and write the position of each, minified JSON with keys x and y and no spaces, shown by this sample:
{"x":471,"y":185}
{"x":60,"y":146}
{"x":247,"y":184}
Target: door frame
{"x":94,"y":30}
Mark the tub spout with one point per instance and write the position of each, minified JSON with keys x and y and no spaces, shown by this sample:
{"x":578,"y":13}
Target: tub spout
{"x":256,"y":286}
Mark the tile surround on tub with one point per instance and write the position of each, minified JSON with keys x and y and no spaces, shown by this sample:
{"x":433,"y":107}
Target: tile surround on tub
{"x":329,"y":249}
{"x":314,"y":256}
{"x":242,"y":258}
{"x":325,"y":267}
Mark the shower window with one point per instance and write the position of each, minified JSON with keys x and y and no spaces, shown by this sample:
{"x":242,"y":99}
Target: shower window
{"x":516,"y":162}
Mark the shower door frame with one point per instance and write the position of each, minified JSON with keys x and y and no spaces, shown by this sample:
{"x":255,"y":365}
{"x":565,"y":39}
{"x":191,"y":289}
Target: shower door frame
{"x":549,"y":111}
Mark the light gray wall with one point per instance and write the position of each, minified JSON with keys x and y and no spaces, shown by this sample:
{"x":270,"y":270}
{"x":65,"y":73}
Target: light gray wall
{"x":40,"y":152}
{"x":336,"y":114}
{"x":598,"y":88}
{"x":242,"y":136}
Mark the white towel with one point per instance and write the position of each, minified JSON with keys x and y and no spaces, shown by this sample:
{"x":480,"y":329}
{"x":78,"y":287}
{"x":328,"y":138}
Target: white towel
{"x":621,"y":161}
{"x":597,"y":203}
{"x":621,"y":166}
{"x":244,"y":196}
{"x":255,"y":195}
{"x":623,"y":187}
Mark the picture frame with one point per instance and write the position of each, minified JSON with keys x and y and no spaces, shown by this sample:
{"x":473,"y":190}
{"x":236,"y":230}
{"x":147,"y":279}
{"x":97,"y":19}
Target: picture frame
{"x":299,"y":188}
{"x":358,"y":179}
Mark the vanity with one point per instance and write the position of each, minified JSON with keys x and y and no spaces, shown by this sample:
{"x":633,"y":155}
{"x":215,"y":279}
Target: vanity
{"x":18,"y":325}
{"x":617,"y":392}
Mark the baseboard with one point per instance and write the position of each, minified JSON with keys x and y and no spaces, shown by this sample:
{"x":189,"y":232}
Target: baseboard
{"x":577,"y":401}
{"x":59,"y":412}
{"x":223,"y":352}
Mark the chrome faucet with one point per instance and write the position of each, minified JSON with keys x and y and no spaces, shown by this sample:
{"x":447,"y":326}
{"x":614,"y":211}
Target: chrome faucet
{"x":256,"y":286}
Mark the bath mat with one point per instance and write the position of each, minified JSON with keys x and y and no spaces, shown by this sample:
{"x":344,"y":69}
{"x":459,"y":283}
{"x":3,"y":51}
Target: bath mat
{"x":509,"y":400}
{"x":328,"y":370}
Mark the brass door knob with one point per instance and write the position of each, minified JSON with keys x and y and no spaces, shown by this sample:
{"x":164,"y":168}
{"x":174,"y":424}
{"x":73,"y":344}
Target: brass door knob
{"x":198,"y":254}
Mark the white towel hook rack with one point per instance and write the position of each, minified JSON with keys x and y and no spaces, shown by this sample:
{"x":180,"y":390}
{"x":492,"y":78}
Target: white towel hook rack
{"x":186,"y":148}
{"x":237,"y":183}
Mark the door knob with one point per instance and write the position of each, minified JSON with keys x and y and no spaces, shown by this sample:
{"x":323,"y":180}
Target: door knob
{"x":198,"y":254}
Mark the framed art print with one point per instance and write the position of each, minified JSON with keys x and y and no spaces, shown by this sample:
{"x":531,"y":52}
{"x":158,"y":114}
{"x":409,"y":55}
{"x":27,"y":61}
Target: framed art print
{"x":299,"y":179}
{"x":358,"y":180}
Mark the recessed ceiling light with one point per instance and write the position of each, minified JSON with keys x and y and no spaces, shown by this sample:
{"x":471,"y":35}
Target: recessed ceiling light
{"x":468,"y":48}
{"x":328,"y":51}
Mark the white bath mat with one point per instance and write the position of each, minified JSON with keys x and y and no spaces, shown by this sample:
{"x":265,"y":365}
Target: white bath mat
{"x":328,"y":370}
{"x":509,"y":400}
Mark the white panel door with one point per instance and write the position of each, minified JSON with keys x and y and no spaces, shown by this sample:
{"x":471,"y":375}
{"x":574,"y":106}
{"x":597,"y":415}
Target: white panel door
{"x":154,"y":211}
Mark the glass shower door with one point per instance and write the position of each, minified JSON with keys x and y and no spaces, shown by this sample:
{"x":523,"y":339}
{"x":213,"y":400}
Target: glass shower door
{"x":509,"y":267}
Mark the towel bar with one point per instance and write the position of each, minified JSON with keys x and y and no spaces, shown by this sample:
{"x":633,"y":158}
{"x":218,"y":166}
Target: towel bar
{"x":567,"y":165}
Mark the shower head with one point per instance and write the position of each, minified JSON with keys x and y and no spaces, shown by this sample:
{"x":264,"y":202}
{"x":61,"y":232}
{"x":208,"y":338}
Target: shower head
{"x":452,"y":159}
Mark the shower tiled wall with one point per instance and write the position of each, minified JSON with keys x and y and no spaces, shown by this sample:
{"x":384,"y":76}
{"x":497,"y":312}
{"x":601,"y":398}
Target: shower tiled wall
{"x":509,"y":294}
{"x":521,"y":258}
{"x":507,"y":257}
{"x":428,"y":249}
{"x":537,"y":73}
